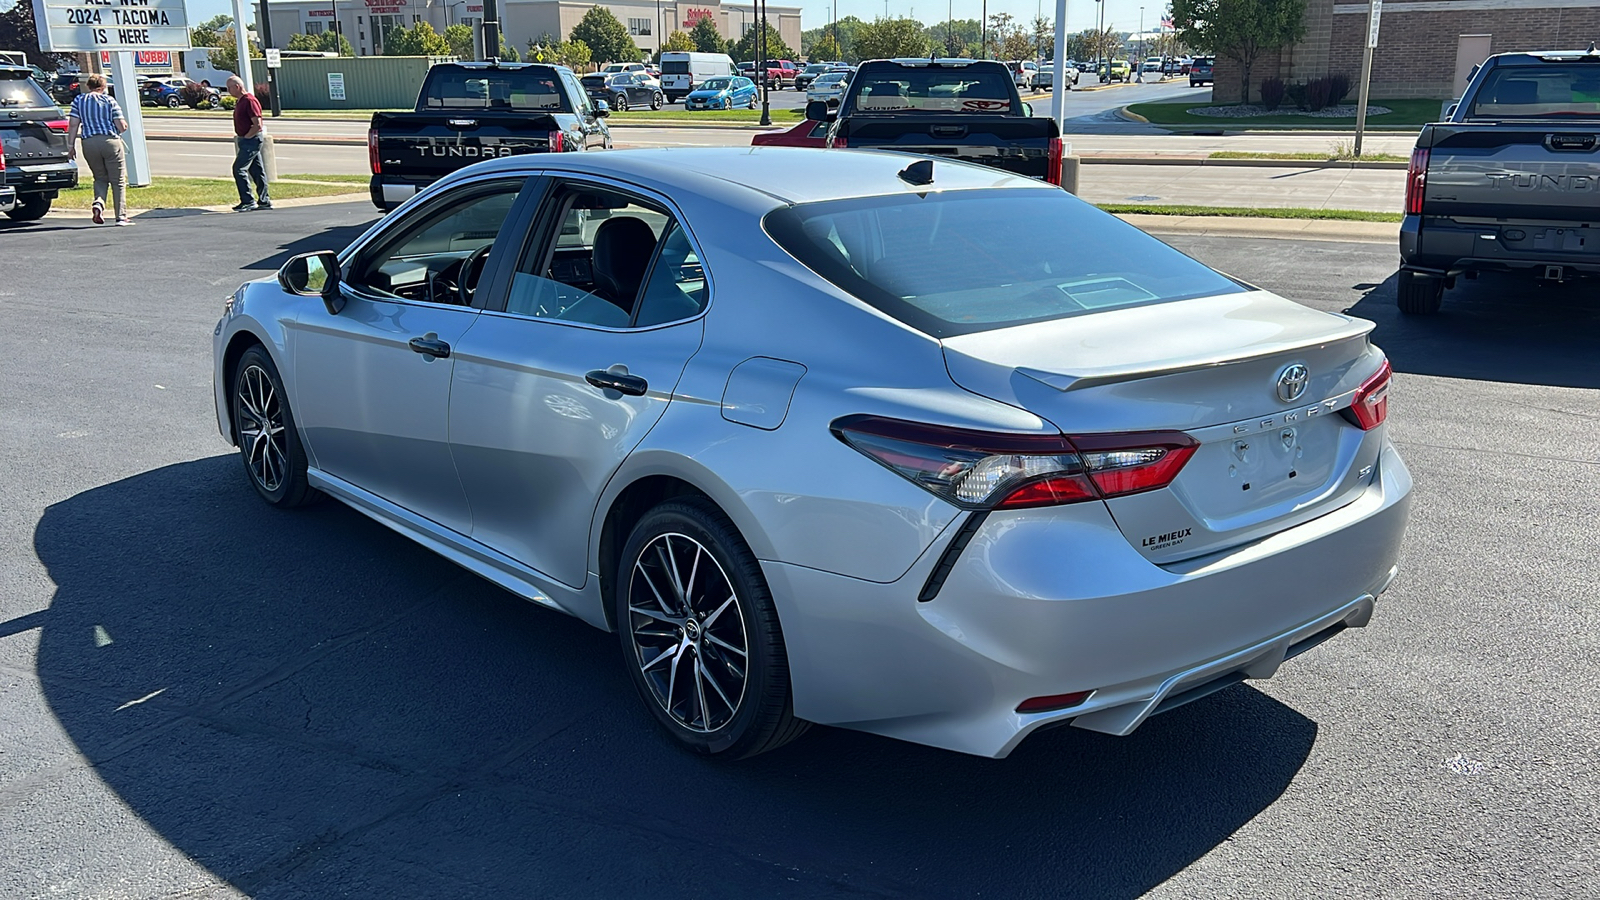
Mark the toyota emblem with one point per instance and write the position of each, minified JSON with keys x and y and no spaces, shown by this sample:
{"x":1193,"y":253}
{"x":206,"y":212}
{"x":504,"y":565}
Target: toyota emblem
{"x":1292,"y":382}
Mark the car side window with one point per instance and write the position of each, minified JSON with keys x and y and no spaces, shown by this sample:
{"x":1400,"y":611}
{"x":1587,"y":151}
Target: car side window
{"x":427,"y":261}
{"x":598,"y":264}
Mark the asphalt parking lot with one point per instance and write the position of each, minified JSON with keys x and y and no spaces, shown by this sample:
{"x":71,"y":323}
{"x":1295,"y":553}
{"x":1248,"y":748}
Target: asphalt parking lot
{"x":203,"y":697}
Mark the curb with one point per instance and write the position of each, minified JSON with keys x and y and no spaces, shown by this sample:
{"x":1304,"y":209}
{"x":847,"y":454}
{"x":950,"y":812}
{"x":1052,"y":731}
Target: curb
{"x":1124,"y":113}
{"x":1272,"y":229}
{"x":1240,"y":163}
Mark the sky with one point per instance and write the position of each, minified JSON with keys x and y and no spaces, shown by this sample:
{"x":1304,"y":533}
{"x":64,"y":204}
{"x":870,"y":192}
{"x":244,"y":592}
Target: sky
{"x":1123,"y":14}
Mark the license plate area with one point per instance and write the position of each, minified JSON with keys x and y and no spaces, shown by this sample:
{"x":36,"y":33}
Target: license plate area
{"x":1231,"y":478}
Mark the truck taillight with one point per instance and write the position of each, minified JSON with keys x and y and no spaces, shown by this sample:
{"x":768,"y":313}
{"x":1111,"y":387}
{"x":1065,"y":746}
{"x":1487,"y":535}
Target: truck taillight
{"x":59,"y":126}
{"x":372,"y":151}
{"x":1052,"y":162}
{"x":557,"y":142}
{"x":1416,"y":179}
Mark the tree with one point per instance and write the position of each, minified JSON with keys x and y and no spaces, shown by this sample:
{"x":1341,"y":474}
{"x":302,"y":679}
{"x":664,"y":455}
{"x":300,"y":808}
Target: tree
{"x":459,"y":37}
{"x":1044,"y":37}
{"x":606,"y":37}
{"x":746,"y":48}
{"x":325,"y":42}
{"x":226,"y":56}
{"x":825,"y":48}
{"x":706,"y":38}
{"x":890,"y":38}
{"x":1017,"y":44}
{"x":678,"y":42}
{"x":572,"y":54}
{"x":508,"y":52}
{"x":418,"y":40}
{"x":1240,"y":30}
{"x":209,"y":32}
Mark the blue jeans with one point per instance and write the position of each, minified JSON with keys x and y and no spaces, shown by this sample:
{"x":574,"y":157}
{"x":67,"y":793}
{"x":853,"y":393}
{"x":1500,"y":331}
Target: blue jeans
{"x":247,"y":167}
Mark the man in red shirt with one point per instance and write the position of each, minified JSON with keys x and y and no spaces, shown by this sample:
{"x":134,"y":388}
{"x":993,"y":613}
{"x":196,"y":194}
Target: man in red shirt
{"x":247,"y":165}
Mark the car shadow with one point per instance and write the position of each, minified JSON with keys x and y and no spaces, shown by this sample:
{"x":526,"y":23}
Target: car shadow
{"x":304,"y":701}
{"x":1497,"y":327}
{"x":335,"y":237}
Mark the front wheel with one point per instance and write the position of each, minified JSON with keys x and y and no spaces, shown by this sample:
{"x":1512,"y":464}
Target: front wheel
{"x":1420,"y":295}
{"x":656,"y":100}
{"x":753,"y":103}
{"x":263,"y":425}
{"x":700,"y":635}
{"x":174,"y":102}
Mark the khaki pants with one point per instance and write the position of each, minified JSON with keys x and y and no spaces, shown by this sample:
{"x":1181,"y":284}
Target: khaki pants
{"x":103,"y":153}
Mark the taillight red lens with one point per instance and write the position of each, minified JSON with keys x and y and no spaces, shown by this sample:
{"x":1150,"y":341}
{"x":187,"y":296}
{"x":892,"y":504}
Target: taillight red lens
{"x":1416,"y":180}
{"x":1122,"y":464}
{"x":1052,"y":165}
{"x":59,"y":126}
{"x":372,"y":151}
{"x":557,"y":142}
{"x":1371,"y":406}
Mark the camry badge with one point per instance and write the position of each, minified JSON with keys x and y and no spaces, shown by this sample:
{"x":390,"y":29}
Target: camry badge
{"x":1292,"y":382}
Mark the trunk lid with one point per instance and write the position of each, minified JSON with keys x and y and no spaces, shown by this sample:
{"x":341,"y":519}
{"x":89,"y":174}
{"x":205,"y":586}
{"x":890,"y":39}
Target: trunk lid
{"x":1210,"y":368}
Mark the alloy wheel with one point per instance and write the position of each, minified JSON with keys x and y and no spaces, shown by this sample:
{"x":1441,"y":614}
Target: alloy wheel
{"x":261,"y":429}
{"x":688,"y":633}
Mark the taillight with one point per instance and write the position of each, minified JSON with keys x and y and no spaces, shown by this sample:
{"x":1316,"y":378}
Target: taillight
{"x":557,"y":142}
{"x":59,"y":126}
{"x":372,"y":151}
{"x":984,"y":470}
{"x":1416,"y":180}
{"x":1052,"y":163}
{"x":1371,"y":406}
{"x":840,"y":143}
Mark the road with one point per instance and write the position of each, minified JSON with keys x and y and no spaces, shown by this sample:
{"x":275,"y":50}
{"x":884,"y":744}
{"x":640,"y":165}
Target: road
{"x":202,"y":697}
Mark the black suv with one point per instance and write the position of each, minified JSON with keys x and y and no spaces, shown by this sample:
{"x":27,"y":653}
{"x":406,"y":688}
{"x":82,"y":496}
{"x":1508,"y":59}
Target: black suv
{"x":33,"y":133}
{"x":1200,"y":71}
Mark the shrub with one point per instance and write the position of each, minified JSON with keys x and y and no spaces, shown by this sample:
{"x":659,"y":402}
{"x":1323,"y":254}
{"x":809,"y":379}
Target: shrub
{"x":264,"y":94}
{"x":194,"y":94}
{"x":1317,"y":92}
{"x":228,"y":102}
{"x":1272,"y":90}
{"x":1339,"y":88}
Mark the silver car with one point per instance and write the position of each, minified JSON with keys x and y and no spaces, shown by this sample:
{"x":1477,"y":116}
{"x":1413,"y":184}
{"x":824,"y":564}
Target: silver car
{"x":810,"y":434}
{"x":828,"y":88}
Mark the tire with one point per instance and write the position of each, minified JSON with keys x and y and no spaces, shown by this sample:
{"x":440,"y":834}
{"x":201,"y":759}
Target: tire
{"x":174,"y":102}
{"x":30,"y":207}
{"x":689,"y":548}
{"x":753,"y":101}
{"x":275,"y":462}
{"x":1420,"y":295}
{"x":657,"y":101}
{"x":622,"y":103}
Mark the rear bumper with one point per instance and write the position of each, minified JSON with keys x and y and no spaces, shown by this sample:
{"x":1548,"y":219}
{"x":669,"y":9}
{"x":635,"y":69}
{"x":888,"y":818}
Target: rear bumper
{"x":389,"y":192}
{"x":32,"y":178}
{"x":1444,"y":246}
{"x":1056,"y":601}
{"x":8,"y":199}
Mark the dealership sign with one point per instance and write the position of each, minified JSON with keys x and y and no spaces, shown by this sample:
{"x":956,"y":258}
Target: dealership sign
{"x":143,"y":59}
{"x":693,"y":16}
{"x":68,"y":26}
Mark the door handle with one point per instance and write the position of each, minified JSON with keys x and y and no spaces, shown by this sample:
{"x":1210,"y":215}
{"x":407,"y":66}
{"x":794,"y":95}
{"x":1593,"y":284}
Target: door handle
{"x":632,"y":385}
{"x":431,"y":347}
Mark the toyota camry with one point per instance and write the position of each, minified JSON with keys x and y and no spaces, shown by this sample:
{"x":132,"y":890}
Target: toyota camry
{"x":810,"y":435}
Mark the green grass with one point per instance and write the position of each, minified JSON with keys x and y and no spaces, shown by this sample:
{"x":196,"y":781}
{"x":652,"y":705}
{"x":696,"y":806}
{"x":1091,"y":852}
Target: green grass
{"x":1264,"y":212}
{"x":708,"y":116}
{"x":1403,"y":114}
{"x":357,"y":115}
{"x":181,"y":193}
{"x":1315,"y":157}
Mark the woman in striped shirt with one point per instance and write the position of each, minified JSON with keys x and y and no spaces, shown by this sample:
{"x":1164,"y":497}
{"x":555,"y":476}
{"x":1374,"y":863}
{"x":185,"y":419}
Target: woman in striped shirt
{"x":98,"y":119}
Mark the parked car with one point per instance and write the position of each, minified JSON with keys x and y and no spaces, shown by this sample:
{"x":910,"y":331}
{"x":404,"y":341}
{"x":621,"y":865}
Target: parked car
{"x":617,"y":68}
{"x":780,"y":72}
{"x":1151,"y":66}
{"x":1507,"y":182}
{"x":731,"y":92}
{"x":828,"y":88}
{"x":683,"y":71}
{"x":625,"y":90}
{"x":469,"y":111}
{"x":168,"y":92}
{"x":804,"y":77}
{"x":33,"y":142}
{"x":1200,"y":71}
{"x":805,"y":134}
{"x":646,"y":411}
{"x":1119,"y":70}
{"x":1025,"y":72}
{"x":1046,"y":79}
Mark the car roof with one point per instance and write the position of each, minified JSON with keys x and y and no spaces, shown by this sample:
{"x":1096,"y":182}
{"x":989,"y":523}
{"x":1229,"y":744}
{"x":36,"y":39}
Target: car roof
{"x":1537,"y":56}
{"x":788,"y":175}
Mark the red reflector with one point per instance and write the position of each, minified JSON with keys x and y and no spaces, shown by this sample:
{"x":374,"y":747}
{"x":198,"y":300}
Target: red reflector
{"x":1049,"y":492}
{"x":557,"y":142}
{"x":1052,"y":702}
{"x":1052,"y":164}
{"x":372,"y":151}
{"x":1371,"y":406}
{"x":59,"y":126}
{"x":1416,"y":180}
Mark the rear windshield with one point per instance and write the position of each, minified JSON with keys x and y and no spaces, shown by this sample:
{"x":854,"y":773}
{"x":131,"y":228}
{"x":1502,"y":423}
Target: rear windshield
{"x":521,"y":89}
{"x":1550,"y":90}
{"x":19,"y":91}
{"x":954,"y":89}
{"x":675,"y":67}
{"x":963,"y":262}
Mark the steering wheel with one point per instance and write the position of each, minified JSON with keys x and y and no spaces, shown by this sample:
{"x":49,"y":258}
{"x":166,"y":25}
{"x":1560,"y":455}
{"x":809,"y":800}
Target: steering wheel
{"x":471,"y":271}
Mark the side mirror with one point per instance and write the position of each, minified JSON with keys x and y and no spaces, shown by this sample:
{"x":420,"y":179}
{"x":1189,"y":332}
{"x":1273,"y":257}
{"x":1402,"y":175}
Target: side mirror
{"x":314,"y":275}
{"x":817,"y":111}
{"x":1450,"y":111}
{"x":1027,"y":108}
{"x":601,"y":109}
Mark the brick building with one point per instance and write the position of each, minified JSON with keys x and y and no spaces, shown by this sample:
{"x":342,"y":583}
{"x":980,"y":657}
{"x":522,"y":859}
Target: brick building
{"x":1425,"y":47}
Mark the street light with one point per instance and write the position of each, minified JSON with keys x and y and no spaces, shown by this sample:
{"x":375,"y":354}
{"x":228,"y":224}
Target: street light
{"x":1141,"y":45}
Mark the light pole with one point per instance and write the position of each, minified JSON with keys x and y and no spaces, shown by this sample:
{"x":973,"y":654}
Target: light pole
{"x":983,"y":51}
{"x":761,"y":25}
{"x":1141,"y":45}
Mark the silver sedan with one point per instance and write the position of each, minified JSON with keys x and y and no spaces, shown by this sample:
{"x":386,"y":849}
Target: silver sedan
{"x":810,"y":434}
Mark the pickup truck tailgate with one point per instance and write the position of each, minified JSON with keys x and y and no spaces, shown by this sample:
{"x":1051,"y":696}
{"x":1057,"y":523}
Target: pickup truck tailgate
{"x":984,"y":139}
{"x":1548,"y":173}
{"x":431,"y":145}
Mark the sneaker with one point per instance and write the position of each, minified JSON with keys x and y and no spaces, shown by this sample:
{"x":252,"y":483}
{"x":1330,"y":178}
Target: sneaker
{"x":264,"y":204}
{"x":124,"y":221}
{"x":245,"y":206}
{"x":98,"y":214}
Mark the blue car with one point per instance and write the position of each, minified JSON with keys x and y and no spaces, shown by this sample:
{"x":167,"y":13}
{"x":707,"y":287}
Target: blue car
{"x":723,"y":93}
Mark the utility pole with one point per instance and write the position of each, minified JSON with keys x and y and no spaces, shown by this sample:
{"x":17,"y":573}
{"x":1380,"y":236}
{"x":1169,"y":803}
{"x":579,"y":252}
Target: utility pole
{"x":1374,"y":11}
{"x":272,"y":74}
{"x":766,"y":78}
{"x":983,"y":52}
{"x":1140,"y":61}
{"x":491,"y":30}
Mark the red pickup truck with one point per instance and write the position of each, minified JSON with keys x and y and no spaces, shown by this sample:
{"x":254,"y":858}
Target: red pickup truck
{"x":781,"y":72}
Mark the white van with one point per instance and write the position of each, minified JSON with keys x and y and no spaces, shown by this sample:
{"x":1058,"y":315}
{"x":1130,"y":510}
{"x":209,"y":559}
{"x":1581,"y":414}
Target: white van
{"x":681,"y":72}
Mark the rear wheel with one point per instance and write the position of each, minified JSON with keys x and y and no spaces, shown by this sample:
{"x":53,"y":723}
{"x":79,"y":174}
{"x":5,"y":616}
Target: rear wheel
{"x":263,"y":425}
{"x":700,"y":636}
{"x":30,"y":207}
{"x":1420,"y":295}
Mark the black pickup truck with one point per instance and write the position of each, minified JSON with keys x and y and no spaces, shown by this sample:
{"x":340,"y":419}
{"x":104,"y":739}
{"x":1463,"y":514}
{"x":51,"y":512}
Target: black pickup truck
{"x":33,"y":143}
{"x":958,"y":108}
{"x":469,"y":112}
{"x":1509,"y":182}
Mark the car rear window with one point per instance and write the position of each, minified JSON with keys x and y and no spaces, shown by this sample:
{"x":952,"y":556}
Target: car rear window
{"x":1549,"y":90}
{"x":18,"y":90}
{"x":963,"y":262}
{"x":517,"y":89}
{"x":675,"y":67}
{"x":985,"y":89}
